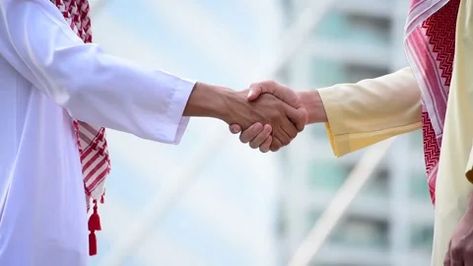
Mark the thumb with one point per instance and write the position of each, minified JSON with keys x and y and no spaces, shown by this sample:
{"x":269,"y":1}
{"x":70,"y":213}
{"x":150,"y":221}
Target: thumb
{"x":298,"y":117}
{"x":288,"y":96}
{"x":254,"y":92}
{"x":235,"y":128}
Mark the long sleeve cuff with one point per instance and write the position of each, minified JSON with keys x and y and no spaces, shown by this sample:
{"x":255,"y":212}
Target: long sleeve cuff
{"x":370,"y":111}
{"x":342,"y":138}
{"x":173,"y":129}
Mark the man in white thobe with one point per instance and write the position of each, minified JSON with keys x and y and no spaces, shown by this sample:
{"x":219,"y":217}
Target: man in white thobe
{"x":48,"y":77}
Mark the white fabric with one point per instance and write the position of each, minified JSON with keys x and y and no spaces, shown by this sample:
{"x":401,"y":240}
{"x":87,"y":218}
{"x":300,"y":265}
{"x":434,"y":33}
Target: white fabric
{"x":48,"y":75}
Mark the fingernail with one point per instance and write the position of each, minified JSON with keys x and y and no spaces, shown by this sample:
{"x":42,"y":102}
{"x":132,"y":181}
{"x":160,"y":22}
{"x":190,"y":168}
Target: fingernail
{"x":250,"y":93}
{"x":268,"y":127}
{"x":234,"y":129}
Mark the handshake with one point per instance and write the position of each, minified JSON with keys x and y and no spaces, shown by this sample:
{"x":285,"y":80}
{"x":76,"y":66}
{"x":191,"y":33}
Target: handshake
{"x":268,"y":115}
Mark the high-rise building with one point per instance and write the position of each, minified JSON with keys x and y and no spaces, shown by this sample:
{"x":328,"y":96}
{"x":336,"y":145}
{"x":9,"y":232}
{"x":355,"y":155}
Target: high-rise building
{"x":390,"y":221}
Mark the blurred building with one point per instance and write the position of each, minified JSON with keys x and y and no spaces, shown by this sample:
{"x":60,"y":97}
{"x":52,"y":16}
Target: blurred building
{"x":208,"y":201}
{"x":390,"y":221}
{"x":212,"y":201}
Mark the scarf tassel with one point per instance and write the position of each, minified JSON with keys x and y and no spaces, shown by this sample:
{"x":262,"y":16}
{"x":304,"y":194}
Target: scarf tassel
{"x":94,"y":225}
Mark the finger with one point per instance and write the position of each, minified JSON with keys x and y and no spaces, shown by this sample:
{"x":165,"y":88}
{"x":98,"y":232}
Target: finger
{"x":288,"y":96}
{"x":282,"y":132}
{"x":255,"y":91}
{"x":251,"y":132}
{"x":447,"y":260}
{"x":265,"y":147}
{"x":456,"y":256}
{"x":235,"y":128}
{"x":468,"y":258}
{"x":283,"y":93}
{"x":297,"y":116}
{"x":289,"y":129}
{"x":262,"y":136}
{"x":275,"y":145}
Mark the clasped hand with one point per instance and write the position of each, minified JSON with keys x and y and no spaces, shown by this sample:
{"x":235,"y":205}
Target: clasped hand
{"x":274,"y":120}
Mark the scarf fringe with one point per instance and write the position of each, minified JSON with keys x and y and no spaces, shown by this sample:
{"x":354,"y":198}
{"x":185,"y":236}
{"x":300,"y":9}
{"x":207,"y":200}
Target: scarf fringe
{"x":94,"y":225}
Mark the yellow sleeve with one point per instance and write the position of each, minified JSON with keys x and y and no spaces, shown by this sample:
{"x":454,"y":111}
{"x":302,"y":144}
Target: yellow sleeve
{"x":371,"y":110}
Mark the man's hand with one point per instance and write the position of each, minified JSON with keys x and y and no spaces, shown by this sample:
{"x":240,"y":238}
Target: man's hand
{"x":281,"y":92}
{"x":256,"y":134}
{"x":272,"y":116}
{"x":460,"y":249}
{"x":275,"y":122}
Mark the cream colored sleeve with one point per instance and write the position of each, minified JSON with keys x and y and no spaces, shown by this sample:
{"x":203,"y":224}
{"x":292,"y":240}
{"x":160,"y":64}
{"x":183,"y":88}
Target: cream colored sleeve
{"x":371,"y":110}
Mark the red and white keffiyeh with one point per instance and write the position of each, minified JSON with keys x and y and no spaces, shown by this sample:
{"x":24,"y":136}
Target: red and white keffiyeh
{"x":430,"y":47}
{"x":90,"y":140}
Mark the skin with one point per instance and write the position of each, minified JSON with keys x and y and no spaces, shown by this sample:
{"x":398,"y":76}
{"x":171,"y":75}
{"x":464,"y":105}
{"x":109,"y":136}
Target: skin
{"x":460,"y":250}
{"x":282,"y":121}
{"x":308,"y":102}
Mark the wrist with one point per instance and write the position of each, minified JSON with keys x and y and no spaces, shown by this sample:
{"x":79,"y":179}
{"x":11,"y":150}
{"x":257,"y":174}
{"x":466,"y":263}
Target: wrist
{"x":235,"y":104}
{"x":314,"y":106}
{"x":208,"y":101}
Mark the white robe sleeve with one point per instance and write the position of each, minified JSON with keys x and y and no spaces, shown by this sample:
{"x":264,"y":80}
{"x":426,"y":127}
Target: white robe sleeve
{"x":91,"y":85}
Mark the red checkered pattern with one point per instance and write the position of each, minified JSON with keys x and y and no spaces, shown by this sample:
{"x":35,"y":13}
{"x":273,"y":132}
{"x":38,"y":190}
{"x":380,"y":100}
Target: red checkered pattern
{"x":431,"y":45}
{"x":90,"y":140}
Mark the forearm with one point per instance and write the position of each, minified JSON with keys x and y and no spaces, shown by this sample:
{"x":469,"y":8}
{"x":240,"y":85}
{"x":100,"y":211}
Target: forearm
{"x":219,"y":102}
{"x":214,"y":101}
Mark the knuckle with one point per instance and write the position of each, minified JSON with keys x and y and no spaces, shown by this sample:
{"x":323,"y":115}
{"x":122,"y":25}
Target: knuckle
{"x":301,"y":120}
{"x":286,"y":142}
{"x":468,"y":250}
{"x":251,"y":132}
{"x":301,"y":116}
{"x":301,"y":128}
{"x":293,"y":134}
{"x":274,"y":146}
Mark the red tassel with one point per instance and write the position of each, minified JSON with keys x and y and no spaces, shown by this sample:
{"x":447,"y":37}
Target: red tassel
{"x":102,"y":199}
{"x":92,"y":244}
{"x":94,"y":225}
{"x":94,"y":220}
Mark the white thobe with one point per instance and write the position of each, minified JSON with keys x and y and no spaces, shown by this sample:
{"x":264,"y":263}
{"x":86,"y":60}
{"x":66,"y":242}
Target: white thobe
{"x":47,"y":77}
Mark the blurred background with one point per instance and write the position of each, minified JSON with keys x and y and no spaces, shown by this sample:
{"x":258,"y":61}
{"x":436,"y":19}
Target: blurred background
{"x":212,"y":201}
